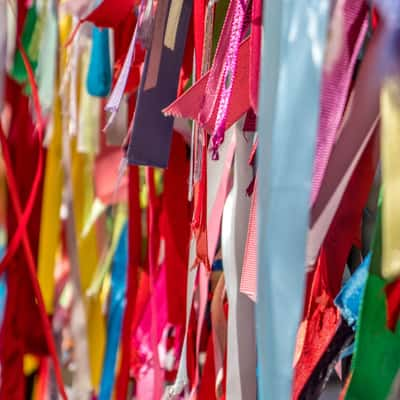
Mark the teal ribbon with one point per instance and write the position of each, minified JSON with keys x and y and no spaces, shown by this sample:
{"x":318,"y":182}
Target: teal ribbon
{"x":98,"y":81}
{"x":294,"y":42}
{"x":115,"y":315}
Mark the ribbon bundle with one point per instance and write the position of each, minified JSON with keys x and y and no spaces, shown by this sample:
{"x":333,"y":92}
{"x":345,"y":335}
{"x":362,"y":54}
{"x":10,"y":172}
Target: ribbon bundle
{"x":198,"y":200}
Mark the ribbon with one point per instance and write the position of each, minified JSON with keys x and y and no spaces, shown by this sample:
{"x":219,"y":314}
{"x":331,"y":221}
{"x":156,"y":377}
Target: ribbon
{"x":390,"y":108}
{"x":190,"y":104}
{"x":81,"y":384}
{"x":115,"y":314}
{"x":348,"y":30}
{"x":47,"y":60}
{"x":286,"y":149}
{"x":248,"y":282}
{"x":135,"y":243}
{"x":152,"y":132}
{"x":241,"y":352}
{"x":349,"y":298}
{"x":3,"y":48}
{"x":50,"y":224}
{"x":98,"y":81}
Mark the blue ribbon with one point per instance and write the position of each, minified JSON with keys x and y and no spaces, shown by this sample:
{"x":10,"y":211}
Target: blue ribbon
{"x":294,"y":43}
{"x":3,"y":290}
{"x":98,"y":81}
{"x":349,"y":299}
{"x":115,"y":315}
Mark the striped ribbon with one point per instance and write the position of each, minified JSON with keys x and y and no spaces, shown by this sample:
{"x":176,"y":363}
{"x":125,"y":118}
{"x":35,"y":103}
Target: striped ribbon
{"x":348,"y":29}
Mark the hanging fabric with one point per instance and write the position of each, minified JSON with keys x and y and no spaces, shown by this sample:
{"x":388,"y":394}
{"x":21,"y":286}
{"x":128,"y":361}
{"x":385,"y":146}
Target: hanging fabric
{"x":287,"y":173}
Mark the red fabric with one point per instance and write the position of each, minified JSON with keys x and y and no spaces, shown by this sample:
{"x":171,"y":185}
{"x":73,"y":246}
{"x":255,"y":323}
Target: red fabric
{"x":187,"y":63}
{"x":393,"y":303}
{"x":109,"y":13}
{"x":199,"y":18}
{"x":199,"y":223}
{"x":175,"y":207}
{"x":255,"y":52}
{"x":321,"y":314}
{"x":135,"y":248}
{"x":17,"y":336}
{"x":153,"y":235}
{"x":21,"y":332}
{"x":207,"y":385}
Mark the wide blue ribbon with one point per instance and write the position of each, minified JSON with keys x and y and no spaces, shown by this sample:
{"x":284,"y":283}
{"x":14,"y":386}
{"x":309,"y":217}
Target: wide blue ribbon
{"x":115,"y":314}
{"x":293,"y":48}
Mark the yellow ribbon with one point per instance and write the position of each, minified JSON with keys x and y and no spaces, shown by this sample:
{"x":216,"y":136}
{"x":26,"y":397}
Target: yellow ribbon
{"x":390,"y":148}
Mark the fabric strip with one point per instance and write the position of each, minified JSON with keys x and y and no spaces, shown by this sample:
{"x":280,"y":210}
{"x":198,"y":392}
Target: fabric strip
{"x":152,"y":132}
{"x":286,"y":150}
{"x":241,"y":352}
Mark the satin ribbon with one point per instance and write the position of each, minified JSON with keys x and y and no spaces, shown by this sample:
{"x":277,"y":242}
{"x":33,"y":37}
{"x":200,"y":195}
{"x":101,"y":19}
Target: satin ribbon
{"x":88,"y":135}
{"x":241,"y":351}
{"x":98,"y":81}
{"x":390,"y":142}
{"x":255,"y":52}
{"x":50,"y":224}
{"x":350,"y":296}
{"x":286,"y":150}
{"x":47,"y":59}
{"x":115,"y":314}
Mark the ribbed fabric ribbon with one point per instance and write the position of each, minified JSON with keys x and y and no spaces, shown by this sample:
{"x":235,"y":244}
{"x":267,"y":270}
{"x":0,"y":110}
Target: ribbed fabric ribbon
{"x":241,"y":350}
{"x":348,"y":29}
{"x":248,"y":282}
{"x":286,"y":149}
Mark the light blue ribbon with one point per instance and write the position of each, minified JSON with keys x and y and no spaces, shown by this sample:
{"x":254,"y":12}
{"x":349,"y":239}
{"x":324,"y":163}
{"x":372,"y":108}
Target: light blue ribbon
{"x":115,"y":315}
{"x":294,"y":43}
{"x":98,"y":81}
{"x":349,"y":299}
